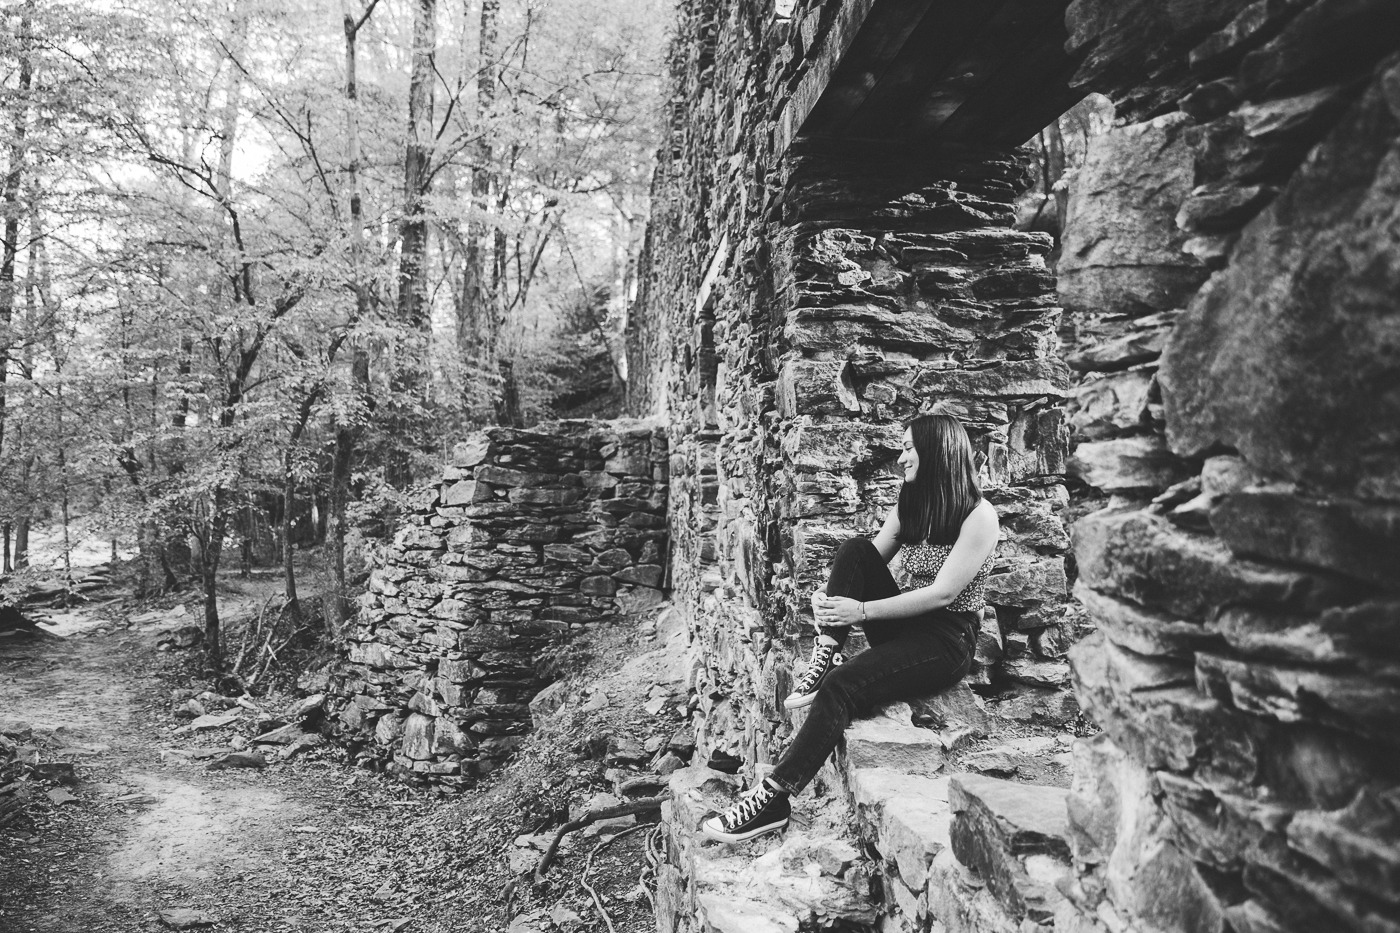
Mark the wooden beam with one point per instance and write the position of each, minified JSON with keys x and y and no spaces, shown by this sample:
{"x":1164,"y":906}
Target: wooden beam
{"x":883,"y":33}
{"x":934,"y":56}
{"x":996,"y":45}
{"x":824,"y":60}
{"x":1023,"y":97}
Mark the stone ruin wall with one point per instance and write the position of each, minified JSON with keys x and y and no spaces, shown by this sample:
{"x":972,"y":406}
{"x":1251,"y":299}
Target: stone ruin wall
{"x":1231,"y":276}
{"x":811,"y":301}
{"x":528,"y":536}
{"x":1231,"y":267}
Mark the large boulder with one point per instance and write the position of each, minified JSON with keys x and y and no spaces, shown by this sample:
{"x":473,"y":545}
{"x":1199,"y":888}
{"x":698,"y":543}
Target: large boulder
{"x":1290,"y":354}
{"x":1122,"y":250}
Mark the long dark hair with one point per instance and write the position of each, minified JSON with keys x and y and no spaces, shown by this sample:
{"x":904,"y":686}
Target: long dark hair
{"x":933,"y":506}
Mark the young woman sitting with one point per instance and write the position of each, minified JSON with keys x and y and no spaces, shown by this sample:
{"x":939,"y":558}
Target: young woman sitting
{"x":921,"y":635}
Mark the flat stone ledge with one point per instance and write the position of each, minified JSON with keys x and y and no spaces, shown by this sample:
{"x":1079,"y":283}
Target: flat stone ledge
{"x":1015,"y":837}
{"x":810,"y":876}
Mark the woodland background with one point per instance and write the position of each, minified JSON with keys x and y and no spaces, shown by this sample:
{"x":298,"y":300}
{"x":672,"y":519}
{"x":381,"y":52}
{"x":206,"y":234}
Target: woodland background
{"x":262,"y":263}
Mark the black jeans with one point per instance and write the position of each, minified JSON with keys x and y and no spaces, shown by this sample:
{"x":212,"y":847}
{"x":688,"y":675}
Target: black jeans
{"x":907,"y":658}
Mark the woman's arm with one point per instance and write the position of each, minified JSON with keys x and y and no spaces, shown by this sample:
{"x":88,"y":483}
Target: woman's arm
{"x":976,"y":539}
{"x":887,"y":541}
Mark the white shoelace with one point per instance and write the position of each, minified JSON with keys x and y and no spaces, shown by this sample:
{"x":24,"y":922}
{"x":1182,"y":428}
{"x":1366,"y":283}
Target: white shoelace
{"x":822,"y":656}
{"x":748,"y":806}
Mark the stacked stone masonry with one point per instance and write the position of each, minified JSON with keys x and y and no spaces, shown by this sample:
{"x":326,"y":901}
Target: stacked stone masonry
{"x":815,"y":298}
{"x":802,"y":302}
{"x":527,"y":537}
{"x":895,"y":843}
{"x":1232,"y":265}
{"x":1231,"y":279}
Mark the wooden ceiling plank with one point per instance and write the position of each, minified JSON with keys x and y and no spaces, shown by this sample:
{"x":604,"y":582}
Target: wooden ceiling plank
{"x":923,"y":62}
{"x":883,"y":33}
{"x":815,"y":84}
{"x":997,"y":46}
{"x":1029,"y":90}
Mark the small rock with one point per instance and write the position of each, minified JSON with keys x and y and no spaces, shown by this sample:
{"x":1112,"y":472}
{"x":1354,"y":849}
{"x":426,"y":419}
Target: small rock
{"x":624,"y":750}
{"x":266,"y":723}
{"x":603,"y":802}
{"x":522,"y":860}
{"x":186,"y":636}
{"x":955,"y":740}
{"x":682,"y":743}
{"x":60,"y":796}
{"x":285,"y":735}
{"x":306,"y":742}
{"x":533,"y":922}
{"x":190,"y":709}
{"x":996,"y":762}
{"x":211,"y":721}
{"x":306,"y":707}
{"x":561,"y":915}
{"x":216,"y":701}
{"x":668,"y":763}
{"x":238,"y":760}
{"x":644,"y":785}
{"x":60,"y":771}
{"x":655,"y":706}
{"x":315,"y":681}
{"x":15,"y":729}
{"x":185,"y":918}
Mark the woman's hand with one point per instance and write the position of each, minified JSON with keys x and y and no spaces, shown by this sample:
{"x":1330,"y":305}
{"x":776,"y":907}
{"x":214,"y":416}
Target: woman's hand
{"x":835,"y":611}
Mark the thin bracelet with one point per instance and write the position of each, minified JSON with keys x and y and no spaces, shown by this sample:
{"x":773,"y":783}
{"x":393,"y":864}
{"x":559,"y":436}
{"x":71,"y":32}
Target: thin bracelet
{"x":862,"y":613}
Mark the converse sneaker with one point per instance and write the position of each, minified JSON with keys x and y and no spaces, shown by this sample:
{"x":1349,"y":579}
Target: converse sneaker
{"x":761,"y":810}
{"x":825,"y":656}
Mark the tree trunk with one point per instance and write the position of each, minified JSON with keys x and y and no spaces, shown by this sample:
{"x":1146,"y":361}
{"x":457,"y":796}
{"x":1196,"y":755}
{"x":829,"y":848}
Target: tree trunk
{"x":209,"y":576}
{"x":217,"y":527}
{"x":413,"y":229}
{"x":477,"y":316}
{"x":22,"y":542}
{"x":409,"y":378}
{"x":10,"y":206}
{"x":289,"y":490}
{"x":346,"y":429}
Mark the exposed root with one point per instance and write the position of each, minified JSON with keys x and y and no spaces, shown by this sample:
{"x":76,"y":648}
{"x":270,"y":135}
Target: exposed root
{"x":644,"y":805}
{"x":588,"y":864}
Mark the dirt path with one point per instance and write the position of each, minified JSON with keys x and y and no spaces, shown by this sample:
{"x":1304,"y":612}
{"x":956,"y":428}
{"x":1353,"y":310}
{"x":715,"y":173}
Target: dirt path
{"x":311,"y":845}
{"x":152,"y":830}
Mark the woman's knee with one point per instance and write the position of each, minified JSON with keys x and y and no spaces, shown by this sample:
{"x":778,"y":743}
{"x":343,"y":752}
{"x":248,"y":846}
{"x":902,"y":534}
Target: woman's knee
{"x":857,"y":549}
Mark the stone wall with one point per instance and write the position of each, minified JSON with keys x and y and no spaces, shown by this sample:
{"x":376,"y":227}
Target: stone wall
{"x":816,"y":297}
{"x":528,"y":536}
{"x":1231,"y":268}
{"x":1233,"y":264}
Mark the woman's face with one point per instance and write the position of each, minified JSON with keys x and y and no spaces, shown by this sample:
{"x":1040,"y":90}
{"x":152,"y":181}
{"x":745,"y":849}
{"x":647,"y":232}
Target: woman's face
{"x":909,"y":459}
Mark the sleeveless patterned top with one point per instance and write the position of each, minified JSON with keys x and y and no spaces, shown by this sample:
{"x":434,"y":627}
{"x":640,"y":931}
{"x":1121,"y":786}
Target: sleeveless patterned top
{"x":922,"y":563}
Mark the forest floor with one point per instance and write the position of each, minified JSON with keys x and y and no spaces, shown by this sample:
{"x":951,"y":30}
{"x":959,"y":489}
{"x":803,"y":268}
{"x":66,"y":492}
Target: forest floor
{"x":144,"y":836}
